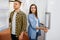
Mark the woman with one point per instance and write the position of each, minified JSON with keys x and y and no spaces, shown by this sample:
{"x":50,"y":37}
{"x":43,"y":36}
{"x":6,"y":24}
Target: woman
{"x":34,"y":23}
{"x":34,"y":29}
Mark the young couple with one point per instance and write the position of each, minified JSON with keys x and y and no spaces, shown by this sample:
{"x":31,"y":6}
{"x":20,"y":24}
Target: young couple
{"x":18,"y":22}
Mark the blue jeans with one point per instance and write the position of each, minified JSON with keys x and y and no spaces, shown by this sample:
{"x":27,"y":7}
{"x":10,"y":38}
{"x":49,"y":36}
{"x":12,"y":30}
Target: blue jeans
{"x":31,"y":39}
{"x":37,"y":34}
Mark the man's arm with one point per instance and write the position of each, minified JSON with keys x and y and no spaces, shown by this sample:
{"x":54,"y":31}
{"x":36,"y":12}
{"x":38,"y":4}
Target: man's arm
{"x":24,"y":23}
{"x":9,"y":20}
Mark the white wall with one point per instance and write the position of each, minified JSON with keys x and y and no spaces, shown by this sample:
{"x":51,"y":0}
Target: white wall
{"x":4,"y":11}
{"x":54,"y":8}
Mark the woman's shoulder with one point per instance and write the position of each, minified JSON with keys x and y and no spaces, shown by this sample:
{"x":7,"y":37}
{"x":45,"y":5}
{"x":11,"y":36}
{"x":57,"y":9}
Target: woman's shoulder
{"x":30,"y":15}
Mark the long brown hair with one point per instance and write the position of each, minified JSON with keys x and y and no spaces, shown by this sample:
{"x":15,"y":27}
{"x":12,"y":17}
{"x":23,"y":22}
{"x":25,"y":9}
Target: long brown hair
{"x":30,"y":12}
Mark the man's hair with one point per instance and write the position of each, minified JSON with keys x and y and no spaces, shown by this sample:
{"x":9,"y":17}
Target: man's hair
{"x":18,"y":2}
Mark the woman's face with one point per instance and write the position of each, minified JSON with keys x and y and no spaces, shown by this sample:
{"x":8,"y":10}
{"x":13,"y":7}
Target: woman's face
{"x":33,"y":9}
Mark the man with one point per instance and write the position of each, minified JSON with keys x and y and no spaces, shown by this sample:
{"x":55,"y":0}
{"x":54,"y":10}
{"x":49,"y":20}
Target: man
{"x":17,"y":21}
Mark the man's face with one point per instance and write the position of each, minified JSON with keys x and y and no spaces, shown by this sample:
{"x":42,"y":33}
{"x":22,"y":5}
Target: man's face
{"x":16,"y":5}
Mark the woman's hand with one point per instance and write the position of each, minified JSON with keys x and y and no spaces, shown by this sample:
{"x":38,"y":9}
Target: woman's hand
{"x":45,"y":30}
{"x":40,"y":28}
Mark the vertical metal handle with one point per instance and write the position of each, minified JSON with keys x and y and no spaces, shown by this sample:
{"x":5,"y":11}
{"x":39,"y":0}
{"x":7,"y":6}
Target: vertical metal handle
{"x":47,"y":19}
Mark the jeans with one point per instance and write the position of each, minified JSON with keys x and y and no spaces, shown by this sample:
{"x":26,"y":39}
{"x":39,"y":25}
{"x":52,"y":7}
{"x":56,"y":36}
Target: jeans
{"x":37,"y":34}
{"x":14,"y":37}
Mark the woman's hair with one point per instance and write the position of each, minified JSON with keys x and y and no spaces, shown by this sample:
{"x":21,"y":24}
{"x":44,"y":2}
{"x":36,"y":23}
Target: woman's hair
{"x":30,"y":12}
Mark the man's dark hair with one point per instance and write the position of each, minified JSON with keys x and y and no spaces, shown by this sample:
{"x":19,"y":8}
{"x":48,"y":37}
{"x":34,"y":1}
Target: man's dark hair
{"x":18,"y":1}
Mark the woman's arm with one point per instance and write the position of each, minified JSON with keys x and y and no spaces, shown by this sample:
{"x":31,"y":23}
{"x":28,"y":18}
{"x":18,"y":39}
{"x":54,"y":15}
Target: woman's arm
{"x":31,"y":21}
{"x":40,"y":28}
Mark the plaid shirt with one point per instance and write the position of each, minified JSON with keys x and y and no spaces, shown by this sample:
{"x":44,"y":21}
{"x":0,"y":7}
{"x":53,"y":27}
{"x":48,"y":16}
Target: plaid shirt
{"x":21,"y":22}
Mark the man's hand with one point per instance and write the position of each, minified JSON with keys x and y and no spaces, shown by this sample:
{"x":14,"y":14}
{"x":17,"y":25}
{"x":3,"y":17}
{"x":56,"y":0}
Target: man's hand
{"x":21,"y":36}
